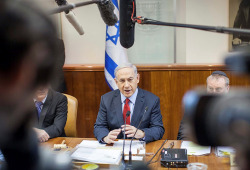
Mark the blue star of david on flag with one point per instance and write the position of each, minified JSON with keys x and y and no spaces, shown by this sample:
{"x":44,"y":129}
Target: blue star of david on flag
{"x":115,"y":54}
{"x":113,"y":38}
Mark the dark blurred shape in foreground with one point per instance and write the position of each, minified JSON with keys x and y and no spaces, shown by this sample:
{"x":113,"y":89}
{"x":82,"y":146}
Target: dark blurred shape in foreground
{"x":222,"y":120}
{"x":27,"y":51}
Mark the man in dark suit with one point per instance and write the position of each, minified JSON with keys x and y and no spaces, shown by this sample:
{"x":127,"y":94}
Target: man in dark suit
{"x":51,"y":111}
{"x":128,"y":97}
{"x":217,"y":83}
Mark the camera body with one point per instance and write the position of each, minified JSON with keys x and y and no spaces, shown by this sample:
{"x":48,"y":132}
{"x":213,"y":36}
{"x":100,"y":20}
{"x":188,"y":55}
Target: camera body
{"x":218,"y":120}
{"x":222,"y":120}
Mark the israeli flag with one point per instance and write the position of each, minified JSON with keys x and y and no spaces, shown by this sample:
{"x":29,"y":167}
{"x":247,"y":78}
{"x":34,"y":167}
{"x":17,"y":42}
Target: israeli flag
{"x":115,"y":54}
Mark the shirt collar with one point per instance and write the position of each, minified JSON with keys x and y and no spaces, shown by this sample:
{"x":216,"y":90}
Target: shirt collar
{"x":131,"y":98}
{"x":43,"y":99}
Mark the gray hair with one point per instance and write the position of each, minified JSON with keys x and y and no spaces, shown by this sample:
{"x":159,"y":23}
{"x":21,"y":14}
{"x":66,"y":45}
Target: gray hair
{"x":217,"y":76}
{"x":125,"y":65}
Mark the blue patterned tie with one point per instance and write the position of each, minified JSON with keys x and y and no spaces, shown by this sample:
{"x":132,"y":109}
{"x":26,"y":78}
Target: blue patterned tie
{"x":39,"y":108}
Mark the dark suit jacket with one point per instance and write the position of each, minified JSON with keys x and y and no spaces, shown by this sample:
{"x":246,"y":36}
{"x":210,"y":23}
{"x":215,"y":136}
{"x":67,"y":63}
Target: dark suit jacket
{"x":54,"y":114}
{"x":181,"y":135}
{"x":184,"y":132}
{"x":110,"y":115}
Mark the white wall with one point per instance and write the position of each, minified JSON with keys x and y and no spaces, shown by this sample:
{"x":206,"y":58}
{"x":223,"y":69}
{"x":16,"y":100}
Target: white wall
{"x":181,"y":32}
{"x":206,"y":47}
{"x":90,"y":47}
{"x":192,"y":46}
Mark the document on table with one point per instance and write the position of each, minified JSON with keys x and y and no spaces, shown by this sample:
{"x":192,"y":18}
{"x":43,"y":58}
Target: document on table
{"x":224,"y":151}
{"x":134,"y":158}
{"x":95,"y":155}
{"x":93,"y":151}
{"x":90,"y":144}
{"x":138,"y":147}
{"x":194,"y":149}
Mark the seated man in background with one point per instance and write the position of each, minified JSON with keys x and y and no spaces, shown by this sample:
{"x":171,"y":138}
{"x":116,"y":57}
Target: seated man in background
{"x":128,"y":97}
{"x":217,"y":83}
{"x":52,"y":110}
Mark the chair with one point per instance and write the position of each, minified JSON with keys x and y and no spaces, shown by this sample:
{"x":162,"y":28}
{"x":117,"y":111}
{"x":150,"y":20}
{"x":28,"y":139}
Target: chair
{"x":70,"y":127}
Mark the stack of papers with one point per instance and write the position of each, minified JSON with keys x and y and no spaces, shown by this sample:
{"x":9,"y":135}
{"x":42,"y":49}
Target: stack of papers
{"x":223,"y":151}
{"x":194,"y":149}
{"x":93,"y":151}
{"x":95,"y":155}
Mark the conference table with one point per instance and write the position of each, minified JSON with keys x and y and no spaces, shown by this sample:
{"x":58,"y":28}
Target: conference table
{"x":212,"y":161}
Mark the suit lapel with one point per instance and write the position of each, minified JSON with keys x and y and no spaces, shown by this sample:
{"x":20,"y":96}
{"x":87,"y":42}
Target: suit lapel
{"x":138,"y":109}
{"x":45,"y":108}
{"x":118,"y":107}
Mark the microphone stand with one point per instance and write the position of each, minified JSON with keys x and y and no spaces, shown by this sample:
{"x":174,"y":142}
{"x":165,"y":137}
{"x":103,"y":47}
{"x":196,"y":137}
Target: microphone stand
{"x":226,"y":30}
{"x":130,"y":153}
{"x":72,"y":6}
{"x":123,"y":157}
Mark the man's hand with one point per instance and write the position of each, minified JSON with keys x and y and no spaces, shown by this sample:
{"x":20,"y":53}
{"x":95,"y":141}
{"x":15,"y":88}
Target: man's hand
{"x":112,"y":136}
{"x":41,"y":135}
{"x":130,"y":131}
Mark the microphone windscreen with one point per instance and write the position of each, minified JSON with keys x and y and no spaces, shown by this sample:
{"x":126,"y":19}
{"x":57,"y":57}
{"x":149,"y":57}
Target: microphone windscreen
{"x":128,"y":113}
{"x":61,"y":2}
{"x":106,"y":8}
{"x":127,"y":26}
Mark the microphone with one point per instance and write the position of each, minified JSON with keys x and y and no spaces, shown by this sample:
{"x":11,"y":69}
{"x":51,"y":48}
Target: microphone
{"x":130,"y":154}
{"x":127,"y":115}
{"x":127,"y":25}
{"x":106,"y":8}
{"x":71,"y":17}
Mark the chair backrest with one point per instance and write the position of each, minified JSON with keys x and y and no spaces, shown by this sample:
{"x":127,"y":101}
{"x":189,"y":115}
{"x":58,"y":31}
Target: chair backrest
{"x":70,"y":127}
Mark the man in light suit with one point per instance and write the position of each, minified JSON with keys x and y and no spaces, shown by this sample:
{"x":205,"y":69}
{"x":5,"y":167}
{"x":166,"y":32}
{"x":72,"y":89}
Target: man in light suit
{"x":51,"y":111}
{"x":128,"y":97}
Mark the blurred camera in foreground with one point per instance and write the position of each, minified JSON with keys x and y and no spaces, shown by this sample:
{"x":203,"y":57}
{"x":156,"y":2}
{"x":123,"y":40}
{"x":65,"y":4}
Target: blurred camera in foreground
{"x":222,"y":120}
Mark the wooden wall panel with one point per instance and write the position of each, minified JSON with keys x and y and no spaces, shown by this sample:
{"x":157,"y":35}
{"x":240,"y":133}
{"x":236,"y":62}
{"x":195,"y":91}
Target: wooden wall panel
{"x":169,"y":83}
{"x":160,"y":86}
{"x":69,"y":81}
{"x":84,"y":91}
{"x":180,"y":83}
{"x":145,"y":78}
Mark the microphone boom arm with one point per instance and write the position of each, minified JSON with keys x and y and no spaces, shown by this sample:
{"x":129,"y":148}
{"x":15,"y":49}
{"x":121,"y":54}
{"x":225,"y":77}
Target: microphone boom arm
{"x":218,"y":29}
{"x":72,"y":6}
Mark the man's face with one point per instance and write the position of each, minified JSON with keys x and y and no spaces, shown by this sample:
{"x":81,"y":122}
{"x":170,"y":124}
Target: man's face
{"x":127,"y":81}
{"x":217,"y":86}
{"x":41,"y":93}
